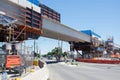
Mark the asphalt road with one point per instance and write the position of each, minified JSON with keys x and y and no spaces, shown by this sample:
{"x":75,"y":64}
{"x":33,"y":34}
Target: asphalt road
{"x":85,"y":71}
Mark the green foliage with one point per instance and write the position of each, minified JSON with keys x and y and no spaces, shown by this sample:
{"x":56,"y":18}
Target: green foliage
{"x":37,"y":55}
{"x":49,"y":53}
{"x":55,"y":51}
{"x":45,"y":55}
{"x":117,"y":50}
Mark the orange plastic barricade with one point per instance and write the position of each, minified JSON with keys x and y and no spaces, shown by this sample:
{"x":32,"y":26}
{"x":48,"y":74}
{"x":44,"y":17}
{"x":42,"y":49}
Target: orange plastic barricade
{"x":13,"y":61}
{"x":116,"y":55}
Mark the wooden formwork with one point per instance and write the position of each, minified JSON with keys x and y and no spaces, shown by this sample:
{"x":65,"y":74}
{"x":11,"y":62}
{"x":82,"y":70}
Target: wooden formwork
{"x":50,"y":13}
{"x":28,"y":24}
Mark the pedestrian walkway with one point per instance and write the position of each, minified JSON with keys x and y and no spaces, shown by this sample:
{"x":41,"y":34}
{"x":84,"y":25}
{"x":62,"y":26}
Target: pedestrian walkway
{"x":33,"y":73}
{"x":39,"y":74}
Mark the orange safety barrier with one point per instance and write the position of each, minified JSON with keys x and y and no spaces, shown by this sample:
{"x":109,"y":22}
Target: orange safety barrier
{"x":99,"y":61}
{"x":13,"y":61}
{"x":116,"y":55}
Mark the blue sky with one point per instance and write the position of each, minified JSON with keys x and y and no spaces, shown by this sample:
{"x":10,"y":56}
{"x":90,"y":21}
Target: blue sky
{"x":101,"y":16}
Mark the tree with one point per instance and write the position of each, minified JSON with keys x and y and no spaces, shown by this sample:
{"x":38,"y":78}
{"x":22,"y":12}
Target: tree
{"x":37,"y":55}
{"x":49,"y":53}
{"x":45,"y":55}
{"x":116,"y":50}
{"x":57,"y":52}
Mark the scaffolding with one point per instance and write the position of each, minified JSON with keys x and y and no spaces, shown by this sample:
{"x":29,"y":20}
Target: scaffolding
{"x":20,"y":24}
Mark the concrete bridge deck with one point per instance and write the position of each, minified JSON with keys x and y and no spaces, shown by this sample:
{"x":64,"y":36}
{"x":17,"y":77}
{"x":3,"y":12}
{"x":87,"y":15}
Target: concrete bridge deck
{"x":56,"y":30}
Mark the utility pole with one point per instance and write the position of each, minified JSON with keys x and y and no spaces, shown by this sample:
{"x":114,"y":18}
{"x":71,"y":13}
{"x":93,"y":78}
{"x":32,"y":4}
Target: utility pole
{"x":34,"y":46}
{"x":34,"y":49}
{"x":9,"y":37}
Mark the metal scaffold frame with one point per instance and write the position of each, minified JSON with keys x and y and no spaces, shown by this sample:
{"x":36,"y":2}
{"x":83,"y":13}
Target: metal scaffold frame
{"x":27,"y":24}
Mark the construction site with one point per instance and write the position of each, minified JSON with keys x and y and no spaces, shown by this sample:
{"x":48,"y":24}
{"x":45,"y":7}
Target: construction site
{"x":25,"y":20}
{"x":18,"y":23}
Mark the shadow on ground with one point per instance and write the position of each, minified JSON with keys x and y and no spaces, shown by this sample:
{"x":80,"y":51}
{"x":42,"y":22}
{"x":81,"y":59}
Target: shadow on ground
{"x":53,"y":62}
